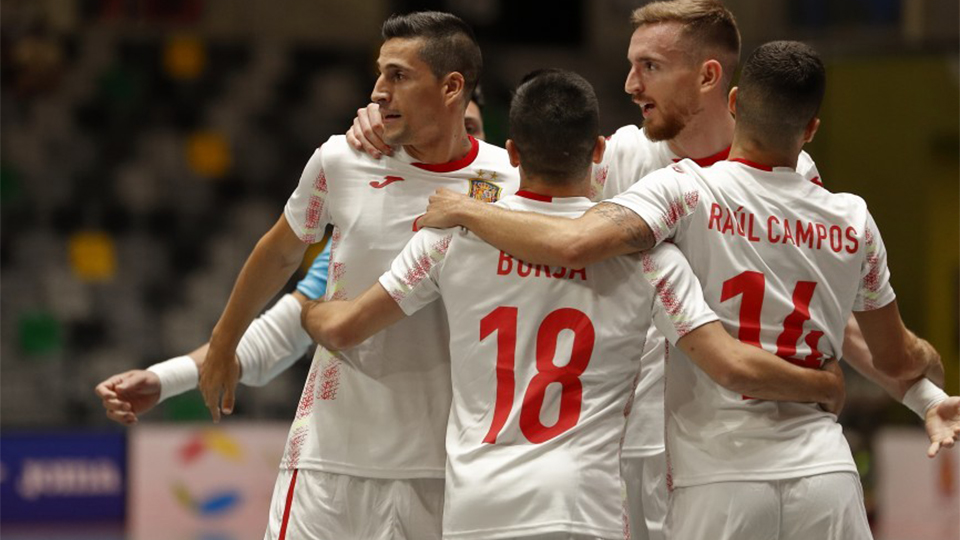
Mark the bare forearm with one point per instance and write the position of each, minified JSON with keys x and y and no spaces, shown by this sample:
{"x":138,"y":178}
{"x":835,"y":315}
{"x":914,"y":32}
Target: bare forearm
{"x":752,"y":371}
{"x":263,"y":275}
{"x":775,"y":379}
{"x":605,"y":231}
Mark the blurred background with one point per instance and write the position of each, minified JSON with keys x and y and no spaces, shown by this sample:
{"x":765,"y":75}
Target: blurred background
{"x":145,"y":145}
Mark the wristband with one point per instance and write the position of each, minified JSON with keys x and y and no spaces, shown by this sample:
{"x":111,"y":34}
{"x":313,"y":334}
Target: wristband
{"x":177,"y":375}
{"x":922,"y":396}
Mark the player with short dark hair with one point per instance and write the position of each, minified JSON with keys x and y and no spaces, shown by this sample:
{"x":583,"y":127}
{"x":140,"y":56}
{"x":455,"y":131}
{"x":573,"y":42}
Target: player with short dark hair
{"x":364,"y":458}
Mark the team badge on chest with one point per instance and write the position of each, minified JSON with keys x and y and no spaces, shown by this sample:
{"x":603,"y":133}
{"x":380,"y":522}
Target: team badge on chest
{"x":483,"y":189}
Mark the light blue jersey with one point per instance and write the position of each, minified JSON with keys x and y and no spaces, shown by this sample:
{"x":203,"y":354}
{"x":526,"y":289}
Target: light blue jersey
{"x":314,"y":284}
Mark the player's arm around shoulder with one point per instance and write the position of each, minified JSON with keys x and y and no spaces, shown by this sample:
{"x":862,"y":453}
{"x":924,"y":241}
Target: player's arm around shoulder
{"x":682,"y":314}
{"x":408,"y":285}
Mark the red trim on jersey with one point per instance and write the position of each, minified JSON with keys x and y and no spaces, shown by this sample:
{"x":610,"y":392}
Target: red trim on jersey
{"x":816,"y":180}
{"x":415,"y":220}
{"x":535,"y":196}
{"x":286,"y":509}
{"x":455,"y":165}
{"x":710,"y":160}
{"x":754,"y":164}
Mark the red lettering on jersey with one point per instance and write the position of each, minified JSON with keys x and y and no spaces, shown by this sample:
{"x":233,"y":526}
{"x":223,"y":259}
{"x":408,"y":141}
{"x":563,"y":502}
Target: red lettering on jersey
{"x":582,"y":272}
{"x":770,"y":221}
{"x":750,"y":236}
{"x":560,"y":272}
{"x":505,"y":265}
{"x":387,"y":180}
{"x":852,"y":237}
{"x":727,"y":224}
{"x":805,"y":234}
{"x":821,"y":234}
{"x":523,"y":269}
{"x":715,"y":213}
{"x":836,"y":239}
{"x":538,"y":268}
{"x":787,"y":235}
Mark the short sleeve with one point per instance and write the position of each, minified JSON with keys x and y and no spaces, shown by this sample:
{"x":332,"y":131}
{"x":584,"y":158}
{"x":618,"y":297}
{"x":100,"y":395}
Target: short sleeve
{"x":306,"y":210}
{"x":875,"y":290}
{"x":664,"y":199}
{"x":413,"y":278}
{"x":808,"y":169}
{"x":680,"y":307}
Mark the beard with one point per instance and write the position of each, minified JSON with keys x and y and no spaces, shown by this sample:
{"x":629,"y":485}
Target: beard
{"x":669,"y":121}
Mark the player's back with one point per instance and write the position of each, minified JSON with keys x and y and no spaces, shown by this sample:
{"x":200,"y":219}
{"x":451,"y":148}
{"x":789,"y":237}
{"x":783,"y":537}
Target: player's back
{"x":544,"y":360}
{"x":780,"y":260}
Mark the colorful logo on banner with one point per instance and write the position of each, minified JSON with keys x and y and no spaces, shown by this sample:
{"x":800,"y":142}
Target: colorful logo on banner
{"x":219,"y":445}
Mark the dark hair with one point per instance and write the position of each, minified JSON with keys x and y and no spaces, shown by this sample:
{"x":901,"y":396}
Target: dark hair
{"x":554,"y":123}
{"x":780,"y":91}
{"x":448,"y":44}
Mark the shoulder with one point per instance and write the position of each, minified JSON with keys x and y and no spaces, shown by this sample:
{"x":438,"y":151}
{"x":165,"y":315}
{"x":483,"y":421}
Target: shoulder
{"x":336,"y":151}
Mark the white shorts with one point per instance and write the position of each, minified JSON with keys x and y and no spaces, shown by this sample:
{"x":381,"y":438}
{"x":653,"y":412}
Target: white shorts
{"x":823,"y":506}
{"x":315,"y":505}
{"x":645,"y":479}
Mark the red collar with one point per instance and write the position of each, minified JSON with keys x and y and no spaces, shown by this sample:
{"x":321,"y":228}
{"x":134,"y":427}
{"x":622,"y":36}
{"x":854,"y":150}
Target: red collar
{"x":535,"y":196}
{"x":455,"y":165}
{"x":753,"y":164}
{"x":710,"y":160}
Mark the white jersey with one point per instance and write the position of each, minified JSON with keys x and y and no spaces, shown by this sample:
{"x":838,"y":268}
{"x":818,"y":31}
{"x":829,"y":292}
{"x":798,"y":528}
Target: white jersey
{"x":379,"y":410}
{"x":782,"y":262}
{"x":544,"y":360}
{"x":630,"y":156}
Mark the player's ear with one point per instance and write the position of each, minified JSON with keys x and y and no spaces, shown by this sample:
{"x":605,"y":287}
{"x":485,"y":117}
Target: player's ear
{"x":711,"y":75}
{"x":598,"y":148}
{"x":811,"y":129}
{"x":513,"y":152}
{"x":453,"y":88}
{"x":732,"y":101}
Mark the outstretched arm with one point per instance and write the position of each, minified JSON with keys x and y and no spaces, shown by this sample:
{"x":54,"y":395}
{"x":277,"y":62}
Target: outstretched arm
{"x":604,"y":231}
{"x":754,"y":372}
{"x":343,"y":324}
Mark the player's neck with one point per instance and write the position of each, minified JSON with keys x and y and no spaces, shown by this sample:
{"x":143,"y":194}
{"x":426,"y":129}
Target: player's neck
{"x":450,"y":145}
{"x":706,"y":134}
{"x":575,"y":188}
{"x":747,"y":149}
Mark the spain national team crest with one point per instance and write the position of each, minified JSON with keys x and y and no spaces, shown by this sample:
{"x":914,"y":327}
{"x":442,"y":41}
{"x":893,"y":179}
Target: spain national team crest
{"x":483,"y":189}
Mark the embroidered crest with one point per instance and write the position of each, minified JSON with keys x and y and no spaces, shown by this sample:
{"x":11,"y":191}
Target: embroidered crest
{"x":483,"y":190}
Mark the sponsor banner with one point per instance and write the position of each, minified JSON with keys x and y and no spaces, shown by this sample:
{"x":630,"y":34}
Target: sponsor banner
{"x":203,"y":481}
{"x":62,"y":476}
{"x":918,"y":498}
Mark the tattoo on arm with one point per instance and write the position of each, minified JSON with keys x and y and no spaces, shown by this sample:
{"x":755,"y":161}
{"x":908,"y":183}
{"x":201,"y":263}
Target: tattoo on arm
{"x":637,"y":233}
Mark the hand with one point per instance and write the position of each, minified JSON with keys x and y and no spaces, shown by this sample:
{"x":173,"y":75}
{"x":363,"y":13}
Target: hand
{"x":943,"y":425}
{"x":839,"y":395}
{"x":366,"y":133}
{"x":129,"y":394}
{"x":445,"y":209}
{"x":219,"y":374}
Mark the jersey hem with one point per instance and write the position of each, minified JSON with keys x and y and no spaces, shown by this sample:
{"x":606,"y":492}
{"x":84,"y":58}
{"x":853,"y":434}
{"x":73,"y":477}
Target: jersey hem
{"x":642,"y":452}
{"x":365,"y":472}
{"x":530,"y":530}
{"x":741,"y":476}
